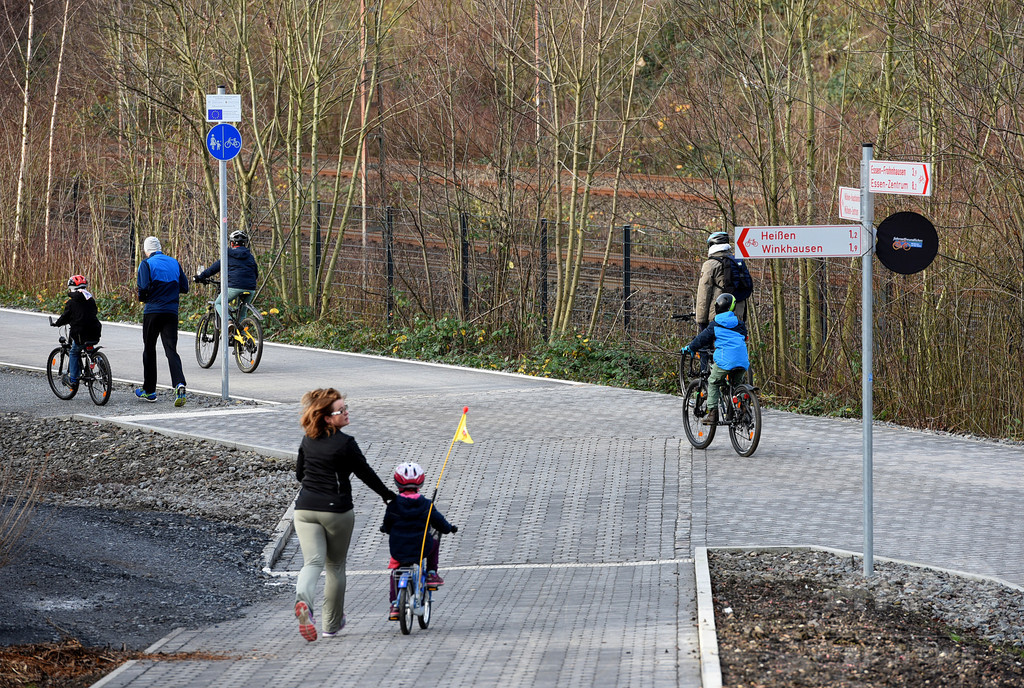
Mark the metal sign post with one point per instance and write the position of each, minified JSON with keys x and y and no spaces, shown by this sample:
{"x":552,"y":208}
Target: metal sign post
{"x":867,"y":220}
{"x":224,"y":143}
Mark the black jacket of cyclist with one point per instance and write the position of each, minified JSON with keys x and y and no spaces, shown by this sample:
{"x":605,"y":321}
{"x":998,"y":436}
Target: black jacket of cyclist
{"x":242,"y":269}
{"x":80,"y":313}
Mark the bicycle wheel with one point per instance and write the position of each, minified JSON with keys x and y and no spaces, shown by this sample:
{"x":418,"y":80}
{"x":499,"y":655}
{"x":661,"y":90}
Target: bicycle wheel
{"x":424,"y":618}
{"x":745,"y":428}
{"x":694,"y":410}
{"x":682,"y":374}
{"x":248,"y":344}
{"x":102,"y":381}
{"x":56,"y":369}
{"x":405,"y":610}
{"x":207,"y":340}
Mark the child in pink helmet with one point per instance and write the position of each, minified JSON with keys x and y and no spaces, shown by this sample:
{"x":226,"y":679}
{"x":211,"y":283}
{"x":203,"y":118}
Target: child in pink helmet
{"x":404,"y":521}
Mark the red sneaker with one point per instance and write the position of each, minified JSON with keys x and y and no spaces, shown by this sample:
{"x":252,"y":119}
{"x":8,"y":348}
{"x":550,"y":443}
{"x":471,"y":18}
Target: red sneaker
{"x":307,"y":625}
{"x":393,"y":613}
{"x":434,"y":580}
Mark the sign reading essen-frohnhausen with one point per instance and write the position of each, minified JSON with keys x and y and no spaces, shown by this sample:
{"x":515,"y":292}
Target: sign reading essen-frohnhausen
{"x":905,"y":178}
{"x":799,"y":241}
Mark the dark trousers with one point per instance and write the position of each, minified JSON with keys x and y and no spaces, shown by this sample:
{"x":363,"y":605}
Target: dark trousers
{"x":164,"y":326}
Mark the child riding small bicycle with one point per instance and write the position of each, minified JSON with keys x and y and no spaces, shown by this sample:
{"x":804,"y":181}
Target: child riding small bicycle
{"x":85,"y":328}
{"x":405,"y":520}
{"x":727,"y":334}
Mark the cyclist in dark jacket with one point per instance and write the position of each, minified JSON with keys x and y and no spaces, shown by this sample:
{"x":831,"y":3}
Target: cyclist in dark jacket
{"x":243,"y":272}
{"x":405,"y":521}
{"x":727,"y":334}
{"x":84,"y":326}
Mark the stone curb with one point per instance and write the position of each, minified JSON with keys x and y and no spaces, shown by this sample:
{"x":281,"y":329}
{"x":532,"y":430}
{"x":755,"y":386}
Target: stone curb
{"x":707,"y":637}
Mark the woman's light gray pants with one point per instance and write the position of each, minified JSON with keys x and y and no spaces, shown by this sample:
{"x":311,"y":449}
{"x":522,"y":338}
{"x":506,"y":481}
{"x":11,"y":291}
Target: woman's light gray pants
{"x":324,"y":537}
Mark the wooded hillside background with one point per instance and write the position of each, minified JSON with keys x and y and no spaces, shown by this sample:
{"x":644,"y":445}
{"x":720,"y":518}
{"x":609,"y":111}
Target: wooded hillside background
{"x":517,"y":139}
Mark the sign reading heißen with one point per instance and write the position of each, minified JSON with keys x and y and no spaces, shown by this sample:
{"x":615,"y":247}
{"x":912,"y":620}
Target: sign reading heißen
{"x":799,"y":241}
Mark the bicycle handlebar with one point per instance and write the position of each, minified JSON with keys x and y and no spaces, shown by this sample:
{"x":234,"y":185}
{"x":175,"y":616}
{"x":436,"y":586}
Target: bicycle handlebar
{"x":685,"y":317}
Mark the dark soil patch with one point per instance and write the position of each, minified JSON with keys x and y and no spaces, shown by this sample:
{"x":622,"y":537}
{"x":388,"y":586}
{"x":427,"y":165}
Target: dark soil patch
{"x":775,"y":633}
{"x":68,"y":664}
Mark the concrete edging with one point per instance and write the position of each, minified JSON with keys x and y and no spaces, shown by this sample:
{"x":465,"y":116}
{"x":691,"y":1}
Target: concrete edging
{"x":707,"y":636}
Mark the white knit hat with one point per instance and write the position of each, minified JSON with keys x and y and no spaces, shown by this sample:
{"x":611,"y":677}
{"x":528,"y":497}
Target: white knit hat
{"x":151,"y":244}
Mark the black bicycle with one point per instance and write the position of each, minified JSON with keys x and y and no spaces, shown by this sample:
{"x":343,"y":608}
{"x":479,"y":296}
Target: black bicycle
{"x":94,"y":371}
{"x":739,"y":406}
{"x":245,"y":333}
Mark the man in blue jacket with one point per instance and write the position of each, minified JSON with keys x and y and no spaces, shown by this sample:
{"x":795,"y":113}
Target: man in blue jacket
{"x":728,"y":335}
{"x":161,"y":281}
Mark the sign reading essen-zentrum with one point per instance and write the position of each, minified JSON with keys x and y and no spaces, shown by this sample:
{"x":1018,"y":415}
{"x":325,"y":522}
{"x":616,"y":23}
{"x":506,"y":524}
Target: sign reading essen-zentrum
{"x":799,"y":241}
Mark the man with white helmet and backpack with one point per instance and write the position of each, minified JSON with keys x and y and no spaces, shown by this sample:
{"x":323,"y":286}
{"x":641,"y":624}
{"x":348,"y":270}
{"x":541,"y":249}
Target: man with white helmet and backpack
{"x":721,"y":273}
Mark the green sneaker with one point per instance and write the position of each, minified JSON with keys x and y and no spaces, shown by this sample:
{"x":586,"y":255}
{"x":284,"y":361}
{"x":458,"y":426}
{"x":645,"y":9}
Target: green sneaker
{"x":179,"y":397}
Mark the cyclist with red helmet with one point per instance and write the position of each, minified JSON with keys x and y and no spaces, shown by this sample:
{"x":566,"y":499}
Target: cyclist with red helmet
{"x":80,"y":314}
{"x":404,"y":521}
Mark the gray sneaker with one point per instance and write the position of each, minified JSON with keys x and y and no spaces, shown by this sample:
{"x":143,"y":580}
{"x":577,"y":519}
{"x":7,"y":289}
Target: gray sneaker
{"x":332,"y":634}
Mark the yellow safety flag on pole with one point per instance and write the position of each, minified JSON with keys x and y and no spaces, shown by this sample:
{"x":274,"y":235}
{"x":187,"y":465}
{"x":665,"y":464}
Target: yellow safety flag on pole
{"x":461,"y":435}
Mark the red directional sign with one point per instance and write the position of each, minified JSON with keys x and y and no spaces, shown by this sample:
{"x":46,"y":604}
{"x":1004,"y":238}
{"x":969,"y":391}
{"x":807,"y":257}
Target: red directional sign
{"x":800,"y":241}
{"x":904,"y":178}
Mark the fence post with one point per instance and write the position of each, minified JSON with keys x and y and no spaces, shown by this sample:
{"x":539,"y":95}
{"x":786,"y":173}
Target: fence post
{"x":544,"y":275}
{"x":464,"y":236}
{"x":389,"y":234}
{"x":627,"y":305}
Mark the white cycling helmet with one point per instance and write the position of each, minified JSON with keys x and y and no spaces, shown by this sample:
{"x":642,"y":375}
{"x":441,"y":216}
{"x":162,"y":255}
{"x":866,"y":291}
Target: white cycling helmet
{"x":409,"y":475}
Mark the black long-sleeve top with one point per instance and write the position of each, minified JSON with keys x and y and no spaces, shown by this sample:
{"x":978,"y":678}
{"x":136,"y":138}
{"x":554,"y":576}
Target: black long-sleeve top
{"x":323,"y":467}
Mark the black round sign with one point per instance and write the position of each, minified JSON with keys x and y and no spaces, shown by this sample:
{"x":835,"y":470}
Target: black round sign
{"x":907,"y":243}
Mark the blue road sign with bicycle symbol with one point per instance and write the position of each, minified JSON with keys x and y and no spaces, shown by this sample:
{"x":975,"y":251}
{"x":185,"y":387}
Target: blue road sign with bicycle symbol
{"x":224,"y":141}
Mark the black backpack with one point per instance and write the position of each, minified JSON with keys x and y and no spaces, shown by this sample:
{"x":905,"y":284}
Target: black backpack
{"x":738,"y":281}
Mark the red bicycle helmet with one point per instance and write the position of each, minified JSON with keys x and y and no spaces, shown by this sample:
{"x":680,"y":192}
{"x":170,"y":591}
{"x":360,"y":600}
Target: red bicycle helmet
{"x":409,"y":476}
{"x":76,"y":282}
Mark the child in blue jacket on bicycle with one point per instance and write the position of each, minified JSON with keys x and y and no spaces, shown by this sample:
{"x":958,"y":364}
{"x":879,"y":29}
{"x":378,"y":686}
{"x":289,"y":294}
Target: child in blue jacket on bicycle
{"x":405,"y":520}
{"x":728,"y":335}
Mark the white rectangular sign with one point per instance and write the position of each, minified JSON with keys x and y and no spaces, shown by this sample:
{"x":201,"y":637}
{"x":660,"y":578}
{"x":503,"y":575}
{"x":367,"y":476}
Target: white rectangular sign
{"x":223,"y":108}
{"x":904,"y":178}
{"x":849,"y":203}
{"x":799,"y":241}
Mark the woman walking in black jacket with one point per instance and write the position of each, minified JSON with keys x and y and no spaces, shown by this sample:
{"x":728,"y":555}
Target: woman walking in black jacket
{"x":324,"y":515}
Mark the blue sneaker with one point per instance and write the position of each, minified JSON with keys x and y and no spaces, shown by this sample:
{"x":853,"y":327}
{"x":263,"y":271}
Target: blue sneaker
{"x":144,"y":395}
{"x":179,"y":396}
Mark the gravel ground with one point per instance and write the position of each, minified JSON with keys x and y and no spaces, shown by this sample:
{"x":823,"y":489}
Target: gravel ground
{"x":137,"y":533}
{"x":808,"y":618}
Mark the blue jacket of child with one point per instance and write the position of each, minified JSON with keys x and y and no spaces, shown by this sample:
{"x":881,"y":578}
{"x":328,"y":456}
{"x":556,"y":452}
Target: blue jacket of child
{"x":728,"y":335}
{"x":405,"y":520}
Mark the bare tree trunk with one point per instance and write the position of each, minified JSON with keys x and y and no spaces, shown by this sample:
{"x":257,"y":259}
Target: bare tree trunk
{"x":53,"y":127}
{"x":23,"y":157}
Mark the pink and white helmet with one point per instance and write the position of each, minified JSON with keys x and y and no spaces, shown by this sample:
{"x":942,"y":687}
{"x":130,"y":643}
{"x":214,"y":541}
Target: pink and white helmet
{"x":409,"y":475}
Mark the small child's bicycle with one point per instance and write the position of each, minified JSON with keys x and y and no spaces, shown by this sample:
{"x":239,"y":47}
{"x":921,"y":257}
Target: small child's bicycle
{"x":739,"y":407}
{"x":414,"y":595}
{"x":94,"y":371}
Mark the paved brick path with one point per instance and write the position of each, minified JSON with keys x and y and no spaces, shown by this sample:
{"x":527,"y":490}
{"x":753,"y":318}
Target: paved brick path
{"x":579,"y":508}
